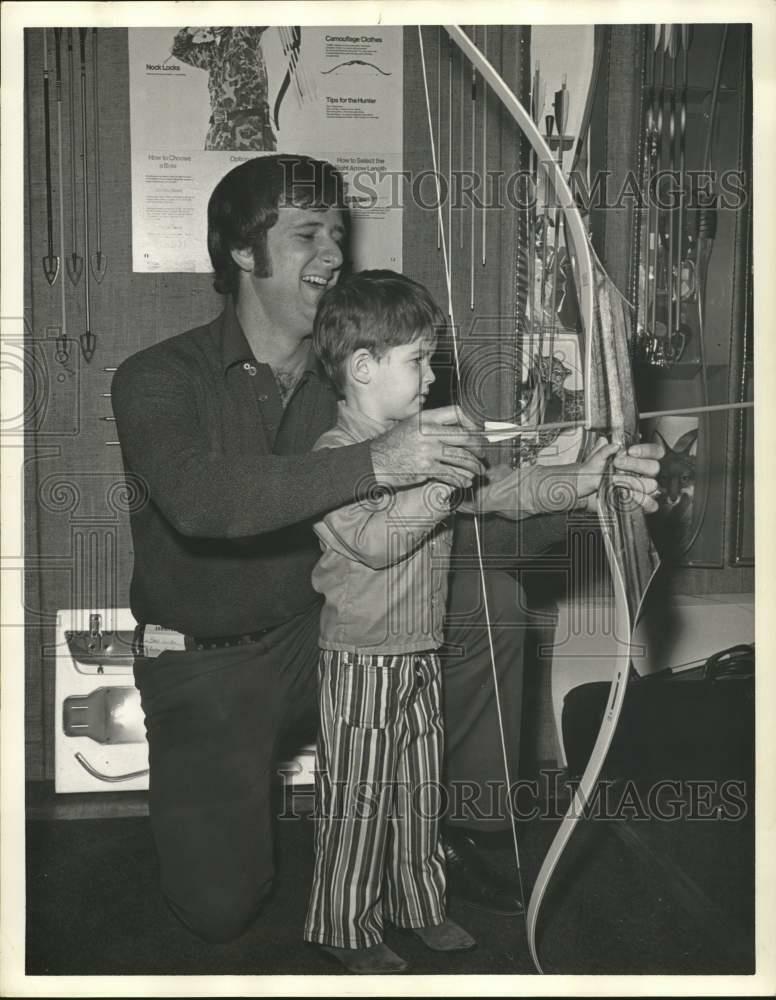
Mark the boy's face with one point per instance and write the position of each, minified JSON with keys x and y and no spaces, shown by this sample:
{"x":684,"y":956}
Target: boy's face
{"x":401,"y":379}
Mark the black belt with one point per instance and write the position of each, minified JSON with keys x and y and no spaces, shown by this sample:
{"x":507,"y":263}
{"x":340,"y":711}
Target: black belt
{"x":193,"y":642}
{"x":224,"y":641}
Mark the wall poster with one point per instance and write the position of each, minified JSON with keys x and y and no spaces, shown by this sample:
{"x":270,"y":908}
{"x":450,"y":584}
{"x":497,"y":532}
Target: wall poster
{"x":203,"y":99}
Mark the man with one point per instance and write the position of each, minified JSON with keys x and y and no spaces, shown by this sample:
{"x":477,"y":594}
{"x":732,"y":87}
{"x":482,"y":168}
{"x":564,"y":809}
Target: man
{"x":219,"y":422}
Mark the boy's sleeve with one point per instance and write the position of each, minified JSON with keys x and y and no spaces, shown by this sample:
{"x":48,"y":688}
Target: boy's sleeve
{"x":386,"y":527}
{"x":521,"y":493}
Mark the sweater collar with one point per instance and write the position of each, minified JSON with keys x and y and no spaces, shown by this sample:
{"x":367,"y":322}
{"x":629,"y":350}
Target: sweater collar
{"x":235,"y":348}
{"x":234,"y":345}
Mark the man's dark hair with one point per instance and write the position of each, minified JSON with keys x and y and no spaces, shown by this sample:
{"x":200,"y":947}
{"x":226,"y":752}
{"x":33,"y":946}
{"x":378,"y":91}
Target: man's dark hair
{"x":244,"y":205}
{"x":372,"y":310}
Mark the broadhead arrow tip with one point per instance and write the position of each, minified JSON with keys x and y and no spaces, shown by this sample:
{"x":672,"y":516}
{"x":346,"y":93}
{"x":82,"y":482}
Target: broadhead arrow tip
{"x":51,"y":269}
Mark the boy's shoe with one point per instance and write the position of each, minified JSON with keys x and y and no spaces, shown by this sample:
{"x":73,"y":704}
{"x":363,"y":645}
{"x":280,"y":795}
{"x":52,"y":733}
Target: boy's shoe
{"x":447,"y":936}
{"x":376,"y":960}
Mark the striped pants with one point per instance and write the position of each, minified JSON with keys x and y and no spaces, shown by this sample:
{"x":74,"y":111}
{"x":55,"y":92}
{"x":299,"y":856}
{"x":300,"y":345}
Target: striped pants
{"x":378,"y":798}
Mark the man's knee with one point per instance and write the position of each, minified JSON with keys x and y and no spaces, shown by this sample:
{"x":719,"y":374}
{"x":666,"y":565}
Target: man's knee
{"x":218,"y":918}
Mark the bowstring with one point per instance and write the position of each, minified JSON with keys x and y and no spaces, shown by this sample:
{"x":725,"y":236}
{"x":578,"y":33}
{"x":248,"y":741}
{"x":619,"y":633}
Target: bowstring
{"x":477,"y":537}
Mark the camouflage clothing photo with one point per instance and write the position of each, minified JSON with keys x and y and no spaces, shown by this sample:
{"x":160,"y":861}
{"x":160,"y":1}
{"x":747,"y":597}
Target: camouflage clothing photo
{"x":237,"y":83}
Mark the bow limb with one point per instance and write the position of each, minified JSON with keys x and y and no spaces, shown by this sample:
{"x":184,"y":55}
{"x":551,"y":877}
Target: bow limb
{"x":291,"y":48}
{"x":609,"y":404}
{"x":631,"y":557}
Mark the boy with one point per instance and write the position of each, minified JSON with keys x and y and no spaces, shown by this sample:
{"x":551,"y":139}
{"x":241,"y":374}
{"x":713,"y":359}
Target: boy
{"x":383,"y":574}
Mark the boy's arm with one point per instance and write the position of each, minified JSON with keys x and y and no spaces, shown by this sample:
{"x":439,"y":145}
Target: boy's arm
{"x":521,"y":493}
{"x":387,"y":527}
{"x":545,"y":489}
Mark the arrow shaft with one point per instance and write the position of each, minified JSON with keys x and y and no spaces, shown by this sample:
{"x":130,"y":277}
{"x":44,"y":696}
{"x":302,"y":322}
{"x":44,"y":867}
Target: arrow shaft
{"x":471,"y":207}
{"x":461,"y":105}
{"x":680,"y":234}
{"x":498,"y":430}
{"x":61,"y":193}
{"x":71,"y":99}
{"x":47,"y":129}
{"x":484,"y":220}
{"x":671,"y":213}
{"x":561,"y":108}
{"x":655,"y":234}
{"x":97,"y":158}
{"x":687,"y":410}
{"x":87,"y":344}
{"x":537,"y":106}
{"x":649,"y":169}
{"x":450,"y":50}
{"x":441,"y":35}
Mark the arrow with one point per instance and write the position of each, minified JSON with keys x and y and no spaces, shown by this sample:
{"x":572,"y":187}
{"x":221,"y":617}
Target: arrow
{"x":74,"y":262}
{"x":61,"y":193}
{"x":87,"y":339}
{"x":50,"y":262}
{"x":98,"y":260}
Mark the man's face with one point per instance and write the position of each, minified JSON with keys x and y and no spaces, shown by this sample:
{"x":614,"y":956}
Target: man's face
{"x":305,"y":252}
{"x":401,"y":379}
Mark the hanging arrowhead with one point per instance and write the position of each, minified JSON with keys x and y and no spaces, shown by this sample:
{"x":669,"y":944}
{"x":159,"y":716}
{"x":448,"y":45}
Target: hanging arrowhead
{"x":75,"y":265}
{"x":51,"y":269}
{"x":672,"y":44}
{"x":99,"y":266}
{"x":88,"y":344}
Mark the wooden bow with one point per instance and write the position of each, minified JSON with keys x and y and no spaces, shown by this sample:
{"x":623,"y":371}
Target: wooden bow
{"x":609,"y":408}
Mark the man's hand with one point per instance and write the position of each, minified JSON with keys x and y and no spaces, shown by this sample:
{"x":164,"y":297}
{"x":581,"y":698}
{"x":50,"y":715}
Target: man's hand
{"x":641,"y":464}
{"x":441,"y":444}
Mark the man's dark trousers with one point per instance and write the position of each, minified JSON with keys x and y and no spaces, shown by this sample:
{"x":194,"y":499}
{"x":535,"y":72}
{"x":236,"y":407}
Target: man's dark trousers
{"x":214,"y":718}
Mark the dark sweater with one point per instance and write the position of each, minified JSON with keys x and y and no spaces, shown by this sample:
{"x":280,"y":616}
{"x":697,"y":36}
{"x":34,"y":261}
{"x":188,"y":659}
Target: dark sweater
{"x":226,"y":488}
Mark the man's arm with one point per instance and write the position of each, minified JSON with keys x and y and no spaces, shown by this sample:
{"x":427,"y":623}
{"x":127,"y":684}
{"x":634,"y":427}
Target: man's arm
{"x":206,"y":494}
{"x":440,"y":444}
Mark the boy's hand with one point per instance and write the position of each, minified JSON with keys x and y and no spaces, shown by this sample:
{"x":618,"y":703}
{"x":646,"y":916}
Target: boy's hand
{"x":640,"y":463}
{"x":590,"y":471}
